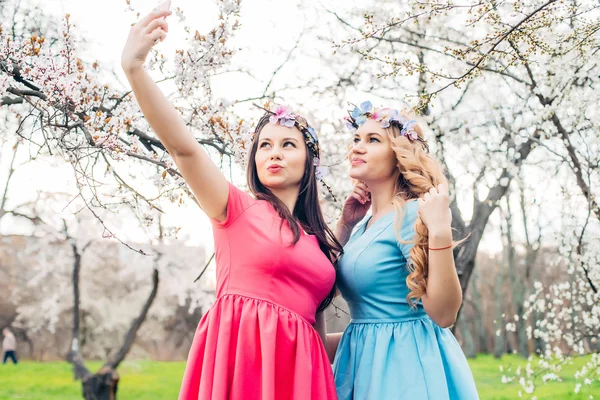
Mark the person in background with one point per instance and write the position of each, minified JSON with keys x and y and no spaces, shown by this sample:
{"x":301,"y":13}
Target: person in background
{"x":9,"y":346}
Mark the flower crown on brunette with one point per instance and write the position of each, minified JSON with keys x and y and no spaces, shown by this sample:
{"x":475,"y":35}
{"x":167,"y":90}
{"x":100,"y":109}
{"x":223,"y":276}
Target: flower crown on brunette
{"x":283,"y":115}
{"x":388,"y":117}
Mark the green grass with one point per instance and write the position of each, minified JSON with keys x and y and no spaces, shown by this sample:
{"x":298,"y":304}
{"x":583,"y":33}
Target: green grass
{"x":161,"y":380}
{"x":54,"y":380}
{"x":486,"y":370}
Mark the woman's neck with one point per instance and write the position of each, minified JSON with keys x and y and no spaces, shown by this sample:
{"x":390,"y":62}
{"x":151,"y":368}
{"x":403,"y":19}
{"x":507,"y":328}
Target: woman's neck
{"x":382,"y":194}
{"x":288,"y":196}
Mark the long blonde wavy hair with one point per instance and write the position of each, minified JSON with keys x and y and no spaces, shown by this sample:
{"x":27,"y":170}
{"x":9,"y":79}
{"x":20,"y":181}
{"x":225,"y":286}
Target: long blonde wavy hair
{"x":418,"y":173}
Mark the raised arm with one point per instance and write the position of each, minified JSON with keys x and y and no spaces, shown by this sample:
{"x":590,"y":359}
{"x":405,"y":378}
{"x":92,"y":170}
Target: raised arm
{"x":202,"y":175}
{"x":443,"y":295}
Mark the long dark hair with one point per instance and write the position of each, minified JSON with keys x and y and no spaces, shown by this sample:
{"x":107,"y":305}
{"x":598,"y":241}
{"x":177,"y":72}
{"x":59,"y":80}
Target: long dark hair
{"x":307,"y":211}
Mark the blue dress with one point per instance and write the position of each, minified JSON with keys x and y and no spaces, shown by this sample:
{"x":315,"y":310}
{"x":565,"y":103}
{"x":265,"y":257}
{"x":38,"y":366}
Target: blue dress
{"x":390,"y":351}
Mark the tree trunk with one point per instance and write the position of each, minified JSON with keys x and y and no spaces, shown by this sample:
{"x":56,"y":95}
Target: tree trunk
{"x":530,"y":259}
{"x":465,"y":330}
{"x":78,"y":373}
{"x":499,"y":342}
{"x":101,"y":386}
{"x":538,"y":343}
{"x":482,"y":338}
{"x":518,"y":286}
{"x":114,"y":362}
{"x":539,"y":346}
{"x":482,"y":210}
{"x":521,"y":333}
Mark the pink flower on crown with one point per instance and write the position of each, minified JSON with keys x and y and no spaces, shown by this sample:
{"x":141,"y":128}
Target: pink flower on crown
{"x":284,"y":115}
{"x":376,"y":115}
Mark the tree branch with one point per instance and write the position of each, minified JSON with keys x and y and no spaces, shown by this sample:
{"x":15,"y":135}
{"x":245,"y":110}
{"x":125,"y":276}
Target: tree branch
{"x":9,"y":101}
{"x":26,"y":92}
{"x":577,"y":167}
{"x":11,"y":171}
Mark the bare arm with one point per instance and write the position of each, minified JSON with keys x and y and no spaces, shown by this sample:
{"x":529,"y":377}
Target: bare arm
{"x":321,"y":327}
{"x":333,"y":341}
{"x":355,"y":208}
{"x":443,"y":295}
{"x":342,"y":232}
{"x":204,"y":178}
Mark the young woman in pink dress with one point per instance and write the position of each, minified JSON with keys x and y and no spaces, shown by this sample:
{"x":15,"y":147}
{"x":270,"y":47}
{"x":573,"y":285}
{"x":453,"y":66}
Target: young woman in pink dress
{"x":273,"y":251}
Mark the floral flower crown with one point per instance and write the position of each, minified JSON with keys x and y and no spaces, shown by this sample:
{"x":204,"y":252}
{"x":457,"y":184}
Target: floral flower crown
{"x":283,"y":115}
{"x":388,"y":117}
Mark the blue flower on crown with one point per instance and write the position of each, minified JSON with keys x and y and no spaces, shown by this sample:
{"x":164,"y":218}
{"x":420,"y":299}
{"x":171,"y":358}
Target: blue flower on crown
{"x":360,"y":113}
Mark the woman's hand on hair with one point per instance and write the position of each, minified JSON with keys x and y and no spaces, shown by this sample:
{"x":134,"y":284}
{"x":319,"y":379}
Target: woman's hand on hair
{"x":143,"y":36}
{"x":434,"y":210}
{"x":356,"y":205}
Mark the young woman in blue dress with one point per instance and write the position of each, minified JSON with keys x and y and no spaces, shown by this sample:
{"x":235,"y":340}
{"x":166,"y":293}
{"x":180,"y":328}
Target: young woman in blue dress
{"x":397,"y":271}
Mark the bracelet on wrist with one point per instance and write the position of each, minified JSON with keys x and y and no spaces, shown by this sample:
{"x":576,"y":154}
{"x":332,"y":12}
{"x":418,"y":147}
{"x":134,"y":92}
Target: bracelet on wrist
{"x":441,"y":248}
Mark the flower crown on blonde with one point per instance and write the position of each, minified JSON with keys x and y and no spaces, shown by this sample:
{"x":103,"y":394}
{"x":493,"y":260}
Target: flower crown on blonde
{"x":283,"y":115}
{"x":388,"y":117}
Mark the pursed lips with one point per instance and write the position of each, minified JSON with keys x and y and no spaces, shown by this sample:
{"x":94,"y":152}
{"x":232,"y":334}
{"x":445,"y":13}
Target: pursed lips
{"x":274,"y":168}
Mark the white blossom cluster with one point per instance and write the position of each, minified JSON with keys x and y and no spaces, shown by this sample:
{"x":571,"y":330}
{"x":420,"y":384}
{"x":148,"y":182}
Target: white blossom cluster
{"x":569,"y":325}
{"x":82,"y":117}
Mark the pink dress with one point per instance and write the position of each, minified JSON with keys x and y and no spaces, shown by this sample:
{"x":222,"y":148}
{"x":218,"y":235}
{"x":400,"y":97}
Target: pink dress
{"x":257,"y":340}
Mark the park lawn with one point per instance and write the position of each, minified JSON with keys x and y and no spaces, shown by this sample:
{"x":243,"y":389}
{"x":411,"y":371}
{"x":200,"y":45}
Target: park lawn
{"x":486,"y":370}
{"x":54,"y":380}
{"x":161,"y":380}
